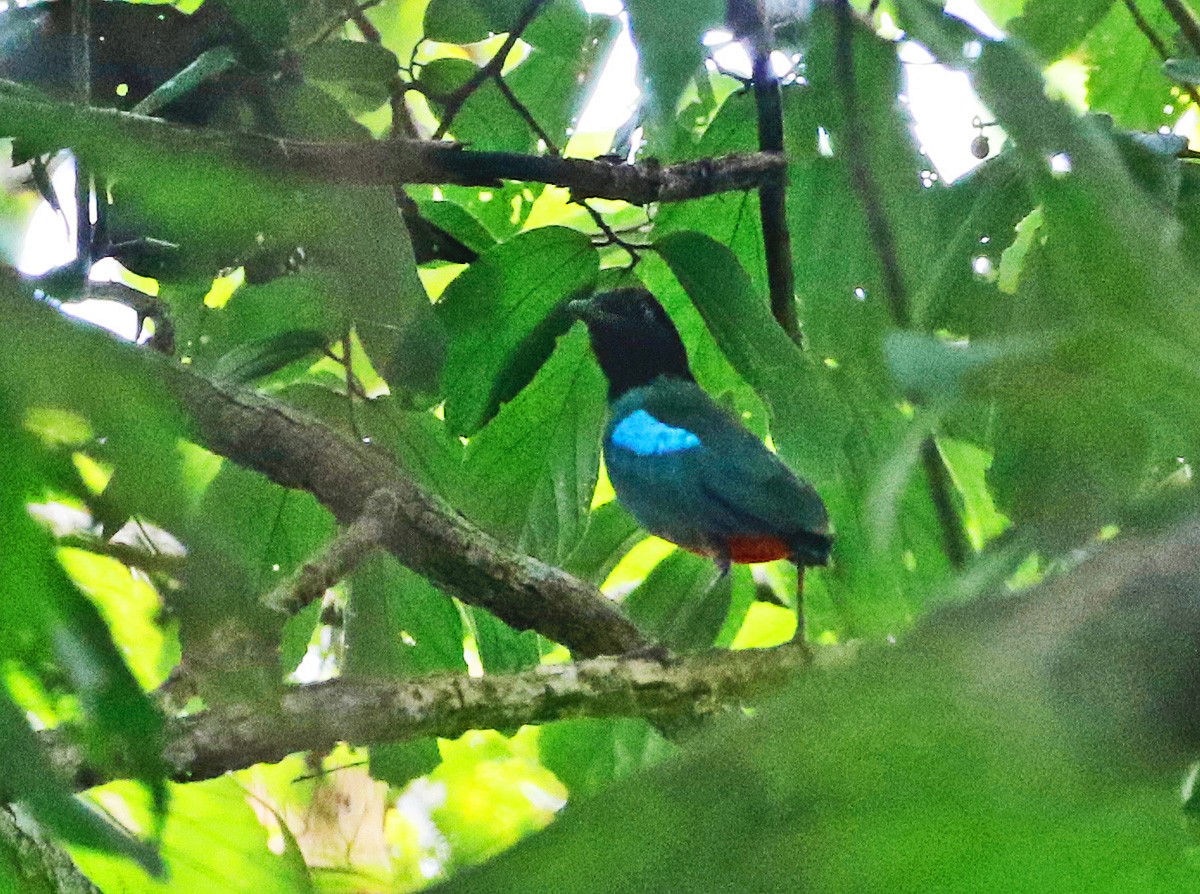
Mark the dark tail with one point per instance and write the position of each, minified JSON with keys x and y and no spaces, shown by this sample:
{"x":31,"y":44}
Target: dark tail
{"x":809,"y":548}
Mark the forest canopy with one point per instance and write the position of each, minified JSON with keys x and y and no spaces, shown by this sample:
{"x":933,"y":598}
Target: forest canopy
{"x":312,"y":578}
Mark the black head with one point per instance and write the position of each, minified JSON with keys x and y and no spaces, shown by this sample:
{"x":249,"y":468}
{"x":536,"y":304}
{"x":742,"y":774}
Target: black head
{"x":633,"y":338}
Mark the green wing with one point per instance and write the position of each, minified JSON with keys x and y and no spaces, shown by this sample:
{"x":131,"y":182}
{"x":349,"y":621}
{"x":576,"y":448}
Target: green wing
{"x":735,"y":468}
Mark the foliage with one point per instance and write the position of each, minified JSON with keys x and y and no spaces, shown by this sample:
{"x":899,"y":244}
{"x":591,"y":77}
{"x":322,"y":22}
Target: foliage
{"x":1048,"y":370}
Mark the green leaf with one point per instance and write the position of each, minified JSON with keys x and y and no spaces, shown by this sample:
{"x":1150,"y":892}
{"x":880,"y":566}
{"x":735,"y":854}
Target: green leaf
{"x":398,"y":624}
{"x":246,"y":537}
{"x":400,"y":764}
{"x":416,"y":438}
{"x":564,"y":66}
{"x":297,"y":634}
{"x":266,"y":21}
{"x":212,"y":841}
{"x":440,"y":78}
{"x":683,"y":603}
{"x":503,"y":314}
{"x":364,"y":70}
{"x":531,"y":472}
{"x":501,"y":649}
{"x":850,"y":778}
{"x":1186,"y":70}
{"x":459,"y":223}
{"x":468,"y":21}
{"x":1051,"y":28}
{"x":1001,"y":11}
{"x":611,"y":533}
{"x":589,"y":755}
{"x":487,"y":120}
{"x":930,"y":369}
{"x":670,"y":51}
{"x":257,"y":359}
{"x":1126,"y":76}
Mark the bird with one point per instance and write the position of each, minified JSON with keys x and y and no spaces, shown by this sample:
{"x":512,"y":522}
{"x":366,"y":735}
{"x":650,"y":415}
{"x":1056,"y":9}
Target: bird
{"x":685,"y":468}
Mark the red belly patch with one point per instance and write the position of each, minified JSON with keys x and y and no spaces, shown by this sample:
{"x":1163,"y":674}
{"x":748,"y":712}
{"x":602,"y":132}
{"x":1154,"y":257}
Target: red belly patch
{"x":757,"y":549}
{"x":749,"y":550}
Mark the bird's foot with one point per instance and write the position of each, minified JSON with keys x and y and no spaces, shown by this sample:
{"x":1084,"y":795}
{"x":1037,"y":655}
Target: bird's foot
{"x":649,"y":652}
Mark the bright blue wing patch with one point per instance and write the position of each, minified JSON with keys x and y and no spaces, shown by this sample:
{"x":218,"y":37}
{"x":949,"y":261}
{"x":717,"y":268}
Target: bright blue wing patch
{"x":647,"y":436}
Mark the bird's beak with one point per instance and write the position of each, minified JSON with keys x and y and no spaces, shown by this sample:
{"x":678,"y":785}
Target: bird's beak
{"x":580,"y":309}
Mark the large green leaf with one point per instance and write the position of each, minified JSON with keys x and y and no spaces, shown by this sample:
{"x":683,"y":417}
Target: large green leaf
{"x":684,"y":601}
{"x":29,"y":779}
{"x":398,"y":624}
{"x":212,"y":841}
{"x":503,"y":314}
{"x":974,"y":754}
{"x":1125,"y":72}
{"x":530,"y":473}
{"x":359,"y":73}
{"x":1051,"y":28}
{"x":668,"y":40}
{"x":589,"y":755}
{"x":468,"y":21}
{"x":611,"y":533}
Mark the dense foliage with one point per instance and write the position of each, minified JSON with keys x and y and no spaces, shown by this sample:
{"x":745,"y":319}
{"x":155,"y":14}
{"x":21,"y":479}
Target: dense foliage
{"x":994,"y":381}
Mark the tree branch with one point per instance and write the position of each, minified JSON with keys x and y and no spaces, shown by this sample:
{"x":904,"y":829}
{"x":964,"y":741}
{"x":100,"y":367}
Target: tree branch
{"x":338,"y":559}
{"x":41,"y":863}
{"x":98,"y":133}
{"x":425,"y":534}
{"x":317,"y":716}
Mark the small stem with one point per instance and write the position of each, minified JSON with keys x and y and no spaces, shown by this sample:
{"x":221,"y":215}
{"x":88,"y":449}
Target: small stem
{"x":1144,"y":26}
{"x":81,"y":82}
{"x":1188,"y":24}
{"x":493,"y":68}
{"x":772,"y":198}
{"x":526,"y":115}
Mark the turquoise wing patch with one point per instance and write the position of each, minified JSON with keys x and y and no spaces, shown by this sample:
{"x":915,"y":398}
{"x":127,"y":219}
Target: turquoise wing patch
{"x":646,"y":436}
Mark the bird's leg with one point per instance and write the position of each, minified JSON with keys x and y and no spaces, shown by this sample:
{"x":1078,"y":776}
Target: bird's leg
{"x":800,"y":636}
{"x":720,"y":555}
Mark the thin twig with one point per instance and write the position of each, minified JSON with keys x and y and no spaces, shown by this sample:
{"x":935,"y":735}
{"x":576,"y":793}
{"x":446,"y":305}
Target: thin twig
{"x":151,"y":562}
{"x":746,"y":19}
{"x":612,"y":237}
{"x":1144,"y":26}
{"x":350,"y":15}
{"x":527,"y":116}
{"x":493,"y":67}
{"x":941,"y":487}
{"x":81,"y":78}
{"x":1188,"y":24}
{"x":357,"y":15}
